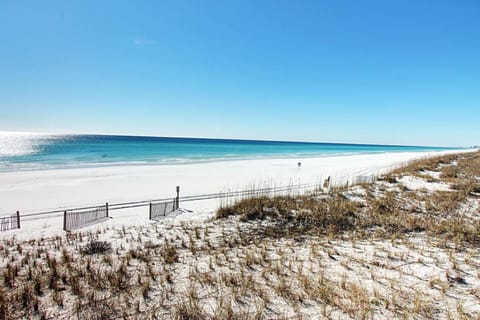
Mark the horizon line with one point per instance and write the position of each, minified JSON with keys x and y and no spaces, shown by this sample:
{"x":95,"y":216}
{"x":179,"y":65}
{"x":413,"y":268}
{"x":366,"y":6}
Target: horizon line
{"x":224,"y":139}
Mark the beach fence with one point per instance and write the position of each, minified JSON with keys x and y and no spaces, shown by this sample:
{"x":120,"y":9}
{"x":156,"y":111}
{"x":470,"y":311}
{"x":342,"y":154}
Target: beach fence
{"x":365,"y":179}
{"x":162,"y":209}
{"x":159,"y":209}
{"x":10,"y":222}
{"x":77,"y":219}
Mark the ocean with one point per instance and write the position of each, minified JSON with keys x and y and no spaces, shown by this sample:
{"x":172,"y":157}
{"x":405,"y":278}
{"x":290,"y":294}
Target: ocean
{"x":20,"y":151}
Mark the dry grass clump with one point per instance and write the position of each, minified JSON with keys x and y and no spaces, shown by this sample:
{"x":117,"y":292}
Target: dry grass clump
{"x":445,"y":201}
{"x":449,"y":172}
{"x":257,"y":208}
{"x":427,"y":164}
{"x":469,"y":164}
{"x":457,"y":230}
{"x":387,"y":216}
{"x":297,"y":216}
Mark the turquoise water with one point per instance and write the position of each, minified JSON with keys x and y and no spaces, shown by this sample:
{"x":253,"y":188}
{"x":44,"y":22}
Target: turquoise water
{"x":33,"y":151}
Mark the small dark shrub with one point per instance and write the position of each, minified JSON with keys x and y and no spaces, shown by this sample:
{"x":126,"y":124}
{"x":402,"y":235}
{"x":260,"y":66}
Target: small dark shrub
{"x":390,"y":178}
{"x":170,"y":254}
{"x":94,"y":247}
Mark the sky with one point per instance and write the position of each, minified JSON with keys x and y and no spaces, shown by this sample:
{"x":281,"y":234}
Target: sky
{"x":370,"y":71}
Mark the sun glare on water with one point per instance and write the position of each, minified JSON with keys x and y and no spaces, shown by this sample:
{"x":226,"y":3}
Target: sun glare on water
{"x":19,"y":143}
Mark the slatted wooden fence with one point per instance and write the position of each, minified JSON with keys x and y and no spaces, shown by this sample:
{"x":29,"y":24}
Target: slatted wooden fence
{"x":162,"y":209}
{"x":77,"y":219}
{"x":10,"y":222}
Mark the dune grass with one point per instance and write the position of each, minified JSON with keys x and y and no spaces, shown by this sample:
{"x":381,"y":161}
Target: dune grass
{"x":390,"y":212}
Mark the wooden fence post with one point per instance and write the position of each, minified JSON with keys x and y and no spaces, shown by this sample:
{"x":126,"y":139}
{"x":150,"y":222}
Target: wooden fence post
{"x":65,"y":221}
{"x":106,"y":208}
{"x":18,"y":219}
{"x":150,"y":211}
{"x":177,"y":199}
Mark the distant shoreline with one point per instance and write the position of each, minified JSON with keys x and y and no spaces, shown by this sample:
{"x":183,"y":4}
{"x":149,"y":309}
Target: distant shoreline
{"x":181,"y":162}
{"x":49,"y":152}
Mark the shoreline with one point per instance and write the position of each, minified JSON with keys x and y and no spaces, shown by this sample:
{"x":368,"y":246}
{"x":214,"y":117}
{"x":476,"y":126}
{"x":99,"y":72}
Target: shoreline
{"x":186,"y":161}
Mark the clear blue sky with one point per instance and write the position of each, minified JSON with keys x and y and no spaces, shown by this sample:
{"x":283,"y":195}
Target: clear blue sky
{"x":394,"y":72}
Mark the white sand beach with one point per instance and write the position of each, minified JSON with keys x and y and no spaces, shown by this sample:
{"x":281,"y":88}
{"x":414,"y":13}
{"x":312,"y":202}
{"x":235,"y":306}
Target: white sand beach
{"x":44,"y":189}
{"x":34,"y":191}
